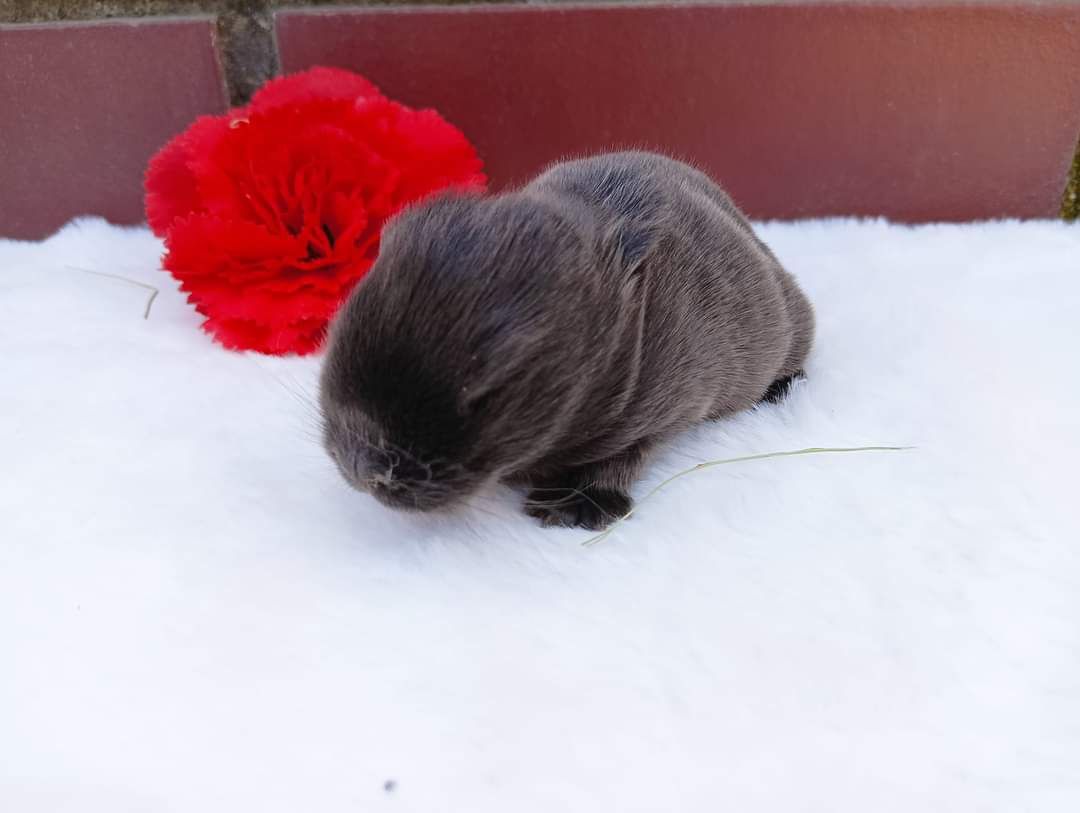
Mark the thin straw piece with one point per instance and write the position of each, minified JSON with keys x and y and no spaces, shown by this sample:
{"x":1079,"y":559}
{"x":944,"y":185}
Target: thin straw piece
{"x":713,"y":463}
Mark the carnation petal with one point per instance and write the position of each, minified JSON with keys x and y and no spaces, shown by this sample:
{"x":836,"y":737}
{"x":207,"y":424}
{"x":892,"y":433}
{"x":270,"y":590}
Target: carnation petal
{"x":312,"y":85}
{"x":170,"y":182}
{"x":203,"y":245}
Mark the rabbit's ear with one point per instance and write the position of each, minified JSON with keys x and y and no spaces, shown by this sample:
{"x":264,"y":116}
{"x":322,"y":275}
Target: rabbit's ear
{"x":628,"y":243}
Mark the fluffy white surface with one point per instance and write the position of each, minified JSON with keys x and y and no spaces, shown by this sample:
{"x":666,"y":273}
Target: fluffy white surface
{"x":197,"y":615}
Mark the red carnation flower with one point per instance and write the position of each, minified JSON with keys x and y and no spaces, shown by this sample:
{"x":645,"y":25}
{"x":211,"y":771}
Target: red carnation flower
{"x":272,"y":212}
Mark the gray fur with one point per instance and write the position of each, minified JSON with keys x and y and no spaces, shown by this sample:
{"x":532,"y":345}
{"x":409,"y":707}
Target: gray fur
{"x":553,"y":335}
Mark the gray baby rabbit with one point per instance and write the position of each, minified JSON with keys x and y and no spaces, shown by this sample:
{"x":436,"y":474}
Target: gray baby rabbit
{"x":551,"y":336}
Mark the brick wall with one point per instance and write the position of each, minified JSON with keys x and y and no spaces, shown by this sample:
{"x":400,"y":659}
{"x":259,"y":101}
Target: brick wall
{"x":243,"y":28}
{"x":913,"y":110}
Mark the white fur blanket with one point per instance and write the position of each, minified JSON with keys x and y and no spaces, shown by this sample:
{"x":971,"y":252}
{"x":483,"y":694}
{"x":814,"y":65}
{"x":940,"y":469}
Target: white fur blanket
{"x":197,"y":615}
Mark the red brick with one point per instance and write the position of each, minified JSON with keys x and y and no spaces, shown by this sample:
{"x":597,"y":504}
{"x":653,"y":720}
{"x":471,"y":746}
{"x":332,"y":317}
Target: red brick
{"x":917,"y":112}
{"x":84,"y":106}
